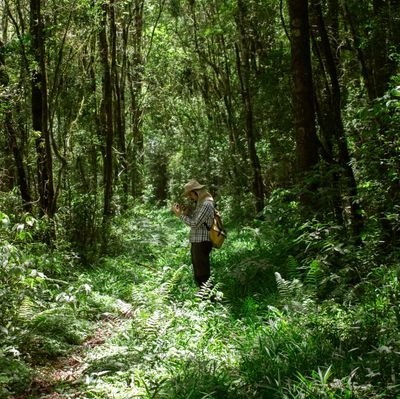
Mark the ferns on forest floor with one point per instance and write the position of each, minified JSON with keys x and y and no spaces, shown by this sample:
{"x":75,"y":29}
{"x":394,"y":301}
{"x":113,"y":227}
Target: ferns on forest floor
{"x":256,"y":330}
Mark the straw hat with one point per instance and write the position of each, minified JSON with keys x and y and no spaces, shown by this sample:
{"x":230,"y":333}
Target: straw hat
{"x":192,"y":185}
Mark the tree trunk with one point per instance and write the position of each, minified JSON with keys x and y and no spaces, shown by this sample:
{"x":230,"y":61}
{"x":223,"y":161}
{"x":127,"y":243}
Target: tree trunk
{"x":244,"y":72}
{"x":107,"y":117}
{"x":135,"y":81}
{"x":335,"y":120}
{"x":19,"y":163}
{"x":40,"y":113}
{"x":366,"y":76}
{"x":119,"y":121}
{"x":12,"y":140}
{"x":382,"y":67}
{"x":303,"y":98}
{"x":120,"y":82}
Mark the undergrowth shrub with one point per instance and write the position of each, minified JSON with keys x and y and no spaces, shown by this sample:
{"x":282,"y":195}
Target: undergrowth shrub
{"x":100,"y":306}
{"x":353,"y":339}
{"x":143,"y":232}
{"x":263,"y":326}
{"x":375,"y":127}
{"x":277,"y":352}
{"x":15,"y":376}
{"x":14,"y":269}
{"x":194,"y":357}
{"x":22,"y":278}
{"x":320,"y":384}
{"x":51,"y":333}
{"x":244,"y":268}
{"x":32,"y":275}
{"x":83,"y":226}
{"x":318,"y":253}
{"x":12,"y":292}
{"x":198,"y":379}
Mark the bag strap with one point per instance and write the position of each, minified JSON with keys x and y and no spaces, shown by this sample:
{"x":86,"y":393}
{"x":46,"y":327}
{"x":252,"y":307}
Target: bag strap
{"x":205,"y":224}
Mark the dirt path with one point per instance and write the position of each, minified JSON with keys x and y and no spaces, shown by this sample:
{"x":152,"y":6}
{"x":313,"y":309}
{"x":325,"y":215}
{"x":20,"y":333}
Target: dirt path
{"x":68,"y":372}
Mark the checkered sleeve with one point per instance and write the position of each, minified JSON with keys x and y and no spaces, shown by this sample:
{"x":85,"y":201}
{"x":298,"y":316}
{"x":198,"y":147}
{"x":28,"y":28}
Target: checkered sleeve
{"x":200,"y":221}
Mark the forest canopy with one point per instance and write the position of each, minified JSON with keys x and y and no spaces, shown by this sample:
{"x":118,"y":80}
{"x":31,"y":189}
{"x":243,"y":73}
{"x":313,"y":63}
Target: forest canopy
{"x":288,"y":111}
{"x":103,"y":102}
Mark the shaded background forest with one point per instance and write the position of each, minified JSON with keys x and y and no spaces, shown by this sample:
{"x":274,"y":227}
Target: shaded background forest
{"x":104,"y":102}
{"x":288,"y":110}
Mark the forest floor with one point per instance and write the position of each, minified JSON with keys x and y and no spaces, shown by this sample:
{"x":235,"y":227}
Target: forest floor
{"x":135,"y":326}
{"x":128,"y":295}
{"x":59,"y":378}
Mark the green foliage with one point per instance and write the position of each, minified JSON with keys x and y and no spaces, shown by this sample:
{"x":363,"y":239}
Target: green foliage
{"x":83,"y":226}
{"x":50,"y":334}
{"x":272,"y":358}
{"x":290,"y":290}
{"x":15,"y":376}
{"x":198,"y":379}
{"x":318,"y":385}
{"x":294,"y":307}
{"x":260,"y":328}
{"x":18,"y":278}
{"x":10,"y":283}
{"x":375,"y":140}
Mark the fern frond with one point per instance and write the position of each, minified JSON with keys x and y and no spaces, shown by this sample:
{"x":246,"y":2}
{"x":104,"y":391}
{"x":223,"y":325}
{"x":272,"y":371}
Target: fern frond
{"x":282,"y":285}
{"x":157,"y":324}
{"x":27,"y":309}
{"x":314,"y":275}
{"x":153,"y":323}
{"x":207,"y":290}
{"x":137,"y":296}
{"x":293,"y":268}
{"x":288,"y":289}
{"x":168,"y":287}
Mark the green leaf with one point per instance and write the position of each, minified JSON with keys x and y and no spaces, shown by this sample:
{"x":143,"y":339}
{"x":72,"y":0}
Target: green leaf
{"x":395,"y":92}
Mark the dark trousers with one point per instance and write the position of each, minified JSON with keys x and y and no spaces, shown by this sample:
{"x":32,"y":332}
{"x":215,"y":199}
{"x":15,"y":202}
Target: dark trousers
{"x":200,"y":253}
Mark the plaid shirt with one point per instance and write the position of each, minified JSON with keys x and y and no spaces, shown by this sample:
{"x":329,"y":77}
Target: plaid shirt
{"x":198,"y":221}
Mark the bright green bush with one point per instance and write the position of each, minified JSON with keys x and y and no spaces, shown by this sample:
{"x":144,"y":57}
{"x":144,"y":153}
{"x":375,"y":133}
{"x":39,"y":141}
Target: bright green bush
{"x":17,"y":278}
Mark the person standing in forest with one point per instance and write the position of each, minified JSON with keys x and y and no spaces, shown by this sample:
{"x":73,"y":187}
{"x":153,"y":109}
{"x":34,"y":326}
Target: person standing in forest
{"x":199,"y":221}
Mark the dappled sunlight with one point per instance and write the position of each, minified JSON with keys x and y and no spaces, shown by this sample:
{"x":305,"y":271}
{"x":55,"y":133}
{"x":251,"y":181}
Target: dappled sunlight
{"x":146,"y":330}
{"x":282,"y":118}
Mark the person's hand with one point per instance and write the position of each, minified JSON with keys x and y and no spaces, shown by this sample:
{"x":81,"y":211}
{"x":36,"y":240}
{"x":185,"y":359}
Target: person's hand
{"x":176,"y":208}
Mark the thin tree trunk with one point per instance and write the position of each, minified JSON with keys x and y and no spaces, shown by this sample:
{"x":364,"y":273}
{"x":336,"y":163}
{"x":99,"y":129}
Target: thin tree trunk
{"x":107,"y":118}
{"x":19,"y":163}
{"x":40,"y":113}
{"x":244,"y":71}
{"x":365,"y":71}
{"x":119,"y":120}
{"x":234,"y":140}
{"x":12,"y":140}
{"x":135,"y":84}
{"x":336,"y":122}
{"x":120,"y":105}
